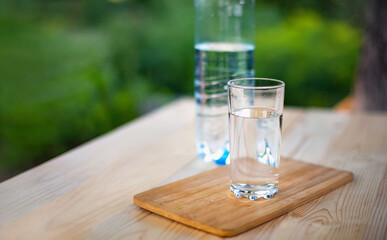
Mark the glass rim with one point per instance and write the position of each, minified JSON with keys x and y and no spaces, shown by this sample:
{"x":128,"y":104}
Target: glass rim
{"x":233,"y":83}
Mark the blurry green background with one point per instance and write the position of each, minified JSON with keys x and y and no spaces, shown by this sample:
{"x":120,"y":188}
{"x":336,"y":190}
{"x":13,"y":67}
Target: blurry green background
{"x":71,"y":70}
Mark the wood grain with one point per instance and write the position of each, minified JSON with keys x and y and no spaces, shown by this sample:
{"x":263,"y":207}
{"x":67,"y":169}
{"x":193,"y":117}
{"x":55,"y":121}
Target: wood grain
{"x":87,"y":192}
{"x":345,"y":142}
{"x":204,"y":201}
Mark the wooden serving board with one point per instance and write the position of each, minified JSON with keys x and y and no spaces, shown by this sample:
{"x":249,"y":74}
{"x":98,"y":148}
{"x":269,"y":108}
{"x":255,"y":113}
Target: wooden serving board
{"x":205,"y":201}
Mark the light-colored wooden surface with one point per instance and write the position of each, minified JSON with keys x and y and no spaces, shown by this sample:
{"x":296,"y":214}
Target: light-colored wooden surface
{"x":204,"y":201}
{"x":87,"y":192}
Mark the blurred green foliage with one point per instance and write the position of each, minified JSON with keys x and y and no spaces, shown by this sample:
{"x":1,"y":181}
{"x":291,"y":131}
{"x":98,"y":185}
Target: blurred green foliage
{"x":72,"y":70}
{"x":315,"y":57}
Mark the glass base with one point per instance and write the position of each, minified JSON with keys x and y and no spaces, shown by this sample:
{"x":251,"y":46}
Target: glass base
{"x":254,"y":192}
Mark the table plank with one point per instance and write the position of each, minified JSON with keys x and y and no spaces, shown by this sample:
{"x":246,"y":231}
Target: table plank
{"x":346,"y":212}
{"x":37,"y":192}
{"x":87,"y":192}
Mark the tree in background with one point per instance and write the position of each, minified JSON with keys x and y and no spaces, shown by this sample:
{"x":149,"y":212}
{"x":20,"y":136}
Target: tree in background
{"x":371,"y":83}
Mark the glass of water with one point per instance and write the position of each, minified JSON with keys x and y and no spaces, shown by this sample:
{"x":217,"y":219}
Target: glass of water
{"x":255,"y":121}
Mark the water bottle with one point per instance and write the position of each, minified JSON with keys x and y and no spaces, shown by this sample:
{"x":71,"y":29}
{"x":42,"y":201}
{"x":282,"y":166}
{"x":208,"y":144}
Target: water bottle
{"x":224,"y":50}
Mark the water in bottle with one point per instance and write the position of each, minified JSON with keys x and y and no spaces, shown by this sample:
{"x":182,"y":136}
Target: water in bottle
{"x":215,"y":64}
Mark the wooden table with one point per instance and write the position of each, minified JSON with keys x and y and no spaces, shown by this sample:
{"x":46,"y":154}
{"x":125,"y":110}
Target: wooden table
{"x":87,"y":192}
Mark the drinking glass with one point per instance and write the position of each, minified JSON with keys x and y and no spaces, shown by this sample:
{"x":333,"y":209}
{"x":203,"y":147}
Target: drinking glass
{"x":255,"y":108}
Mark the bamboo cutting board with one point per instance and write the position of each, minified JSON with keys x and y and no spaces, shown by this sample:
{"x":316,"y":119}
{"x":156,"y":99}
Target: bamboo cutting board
{"x":205,"y":201}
